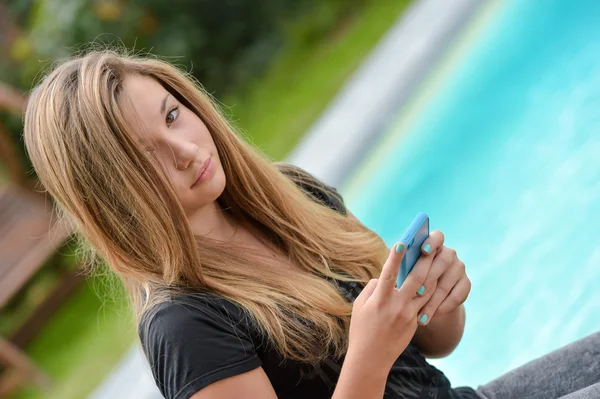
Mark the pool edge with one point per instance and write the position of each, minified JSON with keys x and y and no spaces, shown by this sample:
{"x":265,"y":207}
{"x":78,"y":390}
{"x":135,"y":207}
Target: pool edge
{"x":437,"y":76}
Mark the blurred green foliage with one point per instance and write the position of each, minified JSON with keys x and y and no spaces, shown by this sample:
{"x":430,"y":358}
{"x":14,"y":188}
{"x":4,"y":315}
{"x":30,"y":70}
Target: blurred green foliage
{"x":226,"y":44}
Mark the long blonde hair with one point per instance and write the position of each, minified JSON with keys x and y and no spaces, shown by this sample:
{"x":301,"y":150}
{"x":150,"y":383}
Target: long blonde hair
{"x":127,"y":213}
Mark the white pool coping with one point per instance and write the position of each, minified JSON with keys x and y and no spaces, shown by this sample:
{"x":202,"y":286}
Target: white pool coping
{"x":347,"y":130}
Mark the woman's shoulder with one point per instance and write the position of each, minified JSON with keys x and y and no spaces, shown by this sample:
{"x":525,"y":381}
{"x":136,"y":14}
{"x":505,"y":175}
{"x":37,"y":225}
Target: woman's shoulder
{"x":300,"y":176}
{"x":311,"y":185}
{"x":194,"y":340}
{"x":200,"y":313}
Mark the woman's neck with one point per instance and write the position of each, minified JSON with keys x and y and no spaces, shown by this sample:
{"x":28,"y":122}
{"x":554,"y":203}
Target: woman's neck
{"x":213,"y":222}
{"x":218,"y":224}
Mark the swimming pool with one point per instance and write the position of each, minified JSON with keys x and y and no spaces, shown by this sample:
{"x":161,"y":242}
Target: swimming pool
{"x":502,"y":149}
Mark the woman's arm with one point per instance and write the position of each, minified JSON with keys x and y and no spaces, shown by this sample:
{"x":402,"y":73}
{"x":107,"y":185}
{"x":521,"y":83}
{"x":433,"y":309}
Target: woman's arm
{"x":253,"y":384}
{"x":355,"y":381}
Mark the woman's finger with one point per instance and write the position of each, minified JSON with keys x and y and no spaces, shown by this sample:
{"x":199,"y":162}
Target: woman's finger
{"x":366,"y":293}
{"x":389,"y":273}
{"x":434,"y":242}
{"x":446,"y":284}
{"x":457,"y":296}
{"x":442,"y":260}
{"x":413,"y":283}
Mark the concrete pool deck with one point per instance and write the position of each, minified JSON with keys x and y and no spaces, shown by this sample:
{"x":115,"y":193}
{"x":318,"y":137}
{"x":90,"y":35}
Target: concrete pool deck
{"x":346,"y":131}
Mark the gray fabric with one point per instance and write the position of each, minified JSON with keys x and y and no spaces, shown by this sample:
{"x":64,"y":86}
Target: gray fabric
{"x":585,"y":393}
{"x":571,"y":372}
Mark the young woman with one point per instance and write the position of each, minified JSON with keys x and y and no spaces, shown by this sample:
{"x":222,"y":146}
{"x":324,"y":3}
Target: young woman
{"x":247,"y":276}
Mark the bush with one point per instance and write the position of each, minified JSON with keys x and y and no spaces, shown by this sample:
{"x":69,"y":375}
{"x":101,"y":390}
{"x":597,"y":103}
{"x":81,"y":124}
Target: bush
{"x":225,"y":44}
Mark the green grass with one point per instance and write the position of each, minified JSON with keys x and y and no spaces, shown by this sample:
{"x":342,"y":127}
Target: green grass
{"x":85,"y":340}
{"x":281,"y":106}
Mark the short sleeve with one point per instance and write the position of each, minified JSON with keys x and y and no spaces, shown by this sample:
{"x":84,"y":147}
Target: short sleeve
{"x":191,"y":345}
{"x":318,"y":190}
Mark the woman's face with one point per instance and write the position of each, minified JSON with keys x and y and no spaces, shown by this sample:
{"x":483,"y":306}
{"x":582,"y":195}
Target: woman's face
{"x":181,"y":142}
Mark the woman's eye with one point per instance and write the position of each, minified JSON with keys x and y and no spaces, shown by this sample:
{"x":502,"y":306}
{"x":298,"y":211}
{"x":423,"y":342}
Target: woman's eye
{"x":172,"y":115}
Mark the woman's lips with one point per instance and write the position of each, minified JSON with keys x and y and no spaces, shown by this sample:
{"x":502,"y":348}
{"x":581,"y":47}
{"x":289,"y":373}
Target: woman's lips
{"x":204,"y":172}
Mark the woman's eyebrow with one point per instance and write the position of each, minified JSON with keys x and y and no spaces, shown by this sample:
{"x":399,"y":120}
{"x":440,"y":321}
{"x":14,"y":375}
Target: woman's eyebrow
{"x":164,"y":104}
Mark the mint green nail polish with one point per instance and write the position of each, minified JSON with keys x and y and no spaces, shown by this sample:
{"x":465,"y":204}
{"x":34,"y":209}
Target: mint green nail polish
{"x":427,"y":248}
{"x":421,"y":290}
{"x":399,"y":247}
{"x":423,"y":319}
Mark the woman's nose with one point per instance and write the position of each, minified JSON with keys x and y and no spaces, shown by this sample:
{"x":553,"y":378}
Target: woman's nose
{"x":185,"y":154}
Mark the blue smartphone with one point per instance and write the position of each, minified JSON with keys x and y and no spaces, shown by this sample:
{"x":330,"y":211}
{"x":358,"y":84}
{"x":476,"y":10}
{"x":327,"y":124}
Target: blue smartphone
{"x":414,"y":237}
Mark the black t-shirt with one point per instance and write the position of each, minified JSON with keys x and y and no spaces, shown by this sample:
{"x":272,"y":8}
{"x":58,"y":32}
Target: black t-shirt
{"x":192,"y":341}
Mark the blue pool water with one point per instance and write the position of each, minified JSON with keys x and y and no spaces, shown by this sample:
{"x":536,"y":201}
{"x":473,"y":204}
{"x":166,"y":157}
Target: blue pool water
{"x":505,"y":158}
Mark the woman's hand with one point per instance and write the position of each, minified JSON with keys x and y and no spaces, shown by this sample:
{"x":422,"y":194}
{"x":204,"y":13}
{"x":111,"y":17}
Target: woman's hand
{"x":384,"y":318}
{"x":446,"y":280}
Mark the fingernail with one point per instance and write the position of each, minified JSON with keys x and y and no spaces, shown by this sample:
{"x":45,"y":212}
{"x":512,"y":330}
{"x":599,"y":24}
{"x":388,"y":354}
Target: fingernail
{"x":427,"y":249}
{"x":423,"y":319}
{"x":421,"y":290}
{"x":399,"y":247}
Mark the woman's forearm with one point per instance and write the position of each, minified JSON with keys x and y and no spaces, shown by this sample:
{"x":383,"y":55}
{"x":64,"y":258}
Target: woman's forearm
{"x":441,"y":336}
{"x":359,"y":379}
